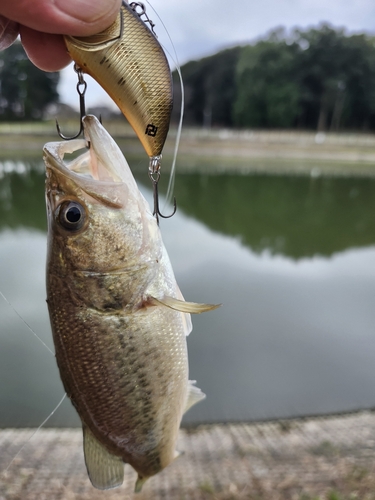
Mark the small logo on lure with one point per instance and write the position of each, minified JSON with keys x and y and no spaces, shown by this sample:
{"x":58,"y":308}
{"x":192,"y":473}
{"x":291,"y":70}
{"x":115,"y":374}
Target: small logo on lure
{"x":151,"y":130}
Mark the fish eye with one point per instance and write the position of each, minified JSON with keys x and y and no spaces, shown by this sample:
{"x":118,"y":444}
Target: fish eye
{"x":71,"y":215}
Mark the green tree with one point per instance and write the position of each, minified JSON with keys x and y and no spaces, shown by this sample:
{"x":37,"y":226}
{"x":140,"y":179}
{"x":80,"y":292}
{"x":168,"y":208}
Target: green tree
{"x":322,"y":74}
{"x":25,"y":91}
{"x":268,"y":89}
{"x":359,"y":84}
{"x":320,"y":78}
{"x":210,"y":88}
{"x":336,"y":74}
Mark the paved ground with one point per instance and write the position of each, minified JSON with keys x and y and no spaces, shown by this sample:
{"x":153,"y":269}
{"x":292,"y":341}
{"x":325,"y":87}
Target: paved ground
{"x":321,"y":458}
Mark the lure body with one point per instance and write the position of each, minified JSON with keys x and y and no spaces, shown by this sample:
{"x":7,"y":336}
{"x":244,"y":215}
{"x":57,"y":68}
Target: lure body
{"x":127,"y":60}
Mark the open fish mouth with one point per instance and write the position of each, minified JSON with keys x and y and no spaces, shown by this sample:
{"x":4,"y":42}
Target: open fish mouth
{"x":102,"y":161}
{"x":101,"y":171}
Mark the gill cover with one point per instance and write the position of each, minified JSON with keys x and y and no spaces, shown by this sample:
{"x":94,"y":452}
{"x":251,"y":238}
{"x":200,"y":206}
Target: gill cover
{"x":129,"y":63}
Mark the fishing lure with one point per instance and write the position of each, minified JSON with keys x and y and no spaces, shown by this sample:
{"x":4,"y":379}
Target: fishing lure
{"x":129,"y":63}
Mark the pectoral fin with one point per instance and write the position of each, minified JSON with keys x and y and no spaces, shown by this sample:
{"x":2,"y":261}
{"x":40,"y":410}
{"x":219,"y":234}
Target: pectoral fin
{"x":104,"y":469}
{"x":186,"y":317}
{"x":194,"y":395}
{"x":182,"y":305}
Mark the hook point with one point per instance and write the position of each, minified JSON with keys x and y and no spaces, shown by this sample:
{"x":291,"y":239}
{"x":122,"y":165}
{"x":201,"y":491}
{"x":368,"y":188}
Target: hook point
{"x":66,"y":138}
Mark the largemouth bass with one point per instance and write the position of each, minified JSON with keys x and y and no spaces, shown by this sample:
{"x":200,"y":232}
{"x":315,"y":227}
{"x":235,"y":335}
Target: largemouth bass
{"x":129,"y":63}
{"x":118,"y":318}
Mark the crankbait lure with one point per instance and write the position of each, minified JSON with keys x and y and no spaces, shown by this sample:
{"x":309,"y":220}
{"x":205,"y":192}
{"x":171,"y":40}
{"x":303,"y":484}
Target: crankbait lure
{"x":129,"y":63}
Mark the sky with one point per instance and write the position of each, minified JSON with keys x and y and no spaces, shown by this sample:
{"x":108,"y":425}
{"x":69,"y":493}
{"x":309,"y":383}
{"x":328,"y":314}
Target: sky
{"x":203,"y":27}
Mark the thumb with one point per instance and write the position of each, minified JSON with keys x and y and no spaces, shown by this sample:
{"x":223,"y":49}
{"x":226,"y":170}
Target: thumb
{"x":65,"y":17}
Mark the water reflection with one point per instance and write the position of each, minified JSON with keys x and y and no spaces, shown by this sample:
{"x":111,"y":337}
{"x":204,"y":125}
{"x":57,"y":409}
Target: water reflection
{"x":22,"y":195}
{"x":293,"y":337}
{"x":296,"y":216}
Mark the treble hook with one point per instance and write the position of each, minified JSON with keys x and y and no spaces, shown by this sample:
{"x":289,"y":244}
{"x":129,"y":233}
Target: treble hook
{"x":81,"y":89}
{"x":155,"y":176}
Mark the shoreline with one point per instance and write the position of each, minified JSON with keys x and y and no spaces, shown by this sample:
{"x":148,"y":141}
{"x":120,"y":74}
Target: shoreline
{"x":224,"y":151}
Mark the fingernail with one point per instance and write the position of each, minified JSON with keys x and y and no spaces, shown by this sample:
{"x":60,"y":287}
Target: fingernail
{"x":8,"y":32}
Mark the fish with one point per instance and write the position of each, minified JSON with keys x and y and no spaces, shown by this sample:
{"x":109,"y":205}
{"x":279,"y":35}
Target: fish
{"x":129,"y":63}
{"x":118,"y":317}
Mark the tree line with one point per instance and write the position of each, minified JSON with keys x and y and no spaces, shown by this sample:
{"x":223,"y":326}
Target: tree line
{"x":320,"y":78}
{"x":25,"y":91}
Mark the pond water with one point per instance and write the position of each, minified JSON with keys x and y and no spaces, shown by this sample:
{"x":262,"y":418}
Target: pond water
{"x":291,"y":258}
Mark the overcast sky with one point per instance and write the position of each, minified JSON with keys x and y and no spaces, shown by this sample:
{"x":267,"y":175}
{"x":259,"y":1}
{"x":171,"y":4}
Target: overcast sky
{"x":203,"y":27}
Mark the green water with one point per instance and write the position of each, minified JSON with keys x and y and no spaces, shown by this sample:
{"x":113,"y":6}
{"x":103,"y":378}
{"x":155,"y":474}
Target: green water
{"x":288,"y":215}
{"x":291,"y":258}
{"x":295,"y":216}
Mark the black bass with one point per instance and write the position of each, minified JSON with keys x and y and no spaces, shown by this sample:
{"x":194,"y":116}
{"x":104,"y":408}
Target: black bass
{"x":118,"y":318}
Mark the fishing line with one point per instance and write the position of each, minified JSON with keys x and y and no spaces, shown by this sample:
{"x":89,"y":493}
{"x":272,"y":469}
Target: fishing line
{"x":179,"y":129}
{"x":172,"y":176}
{"x":37,"y":430}
{"x":23,"y":321}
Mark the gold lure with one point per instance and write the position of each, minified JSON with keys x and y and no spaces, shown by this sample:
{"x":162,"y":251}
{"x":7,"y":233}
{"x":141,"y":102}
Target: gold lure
{"x":129,"y":63}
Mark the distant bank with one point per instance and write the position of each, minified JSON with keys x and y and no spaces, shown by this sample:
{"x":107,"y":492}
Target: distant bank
{"x":223,"y":150}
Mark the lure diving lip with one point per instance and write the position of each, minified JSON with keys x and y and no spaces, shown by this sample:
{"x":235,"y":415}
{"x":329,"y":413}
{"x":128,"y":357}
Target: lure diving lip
{"x":129,"y":63}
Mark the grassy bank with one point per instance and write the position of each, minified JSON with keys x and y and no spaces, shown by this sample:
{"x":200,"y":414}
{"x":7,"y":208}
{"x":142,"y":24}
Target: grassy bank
{"x":221,"y":151}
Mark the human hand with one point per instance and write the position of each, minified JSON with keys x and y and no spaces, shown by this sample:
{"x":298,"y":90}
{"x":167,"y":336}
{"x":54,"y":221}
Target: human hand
{"x":41,"y":24}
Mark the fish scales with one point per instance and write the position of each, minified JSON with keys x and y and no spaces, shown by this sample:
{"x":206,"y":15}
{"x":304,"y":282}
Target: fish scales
{"x":119,"y":374}
{"x":118,"y":318}
{"x":134,"y":71}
